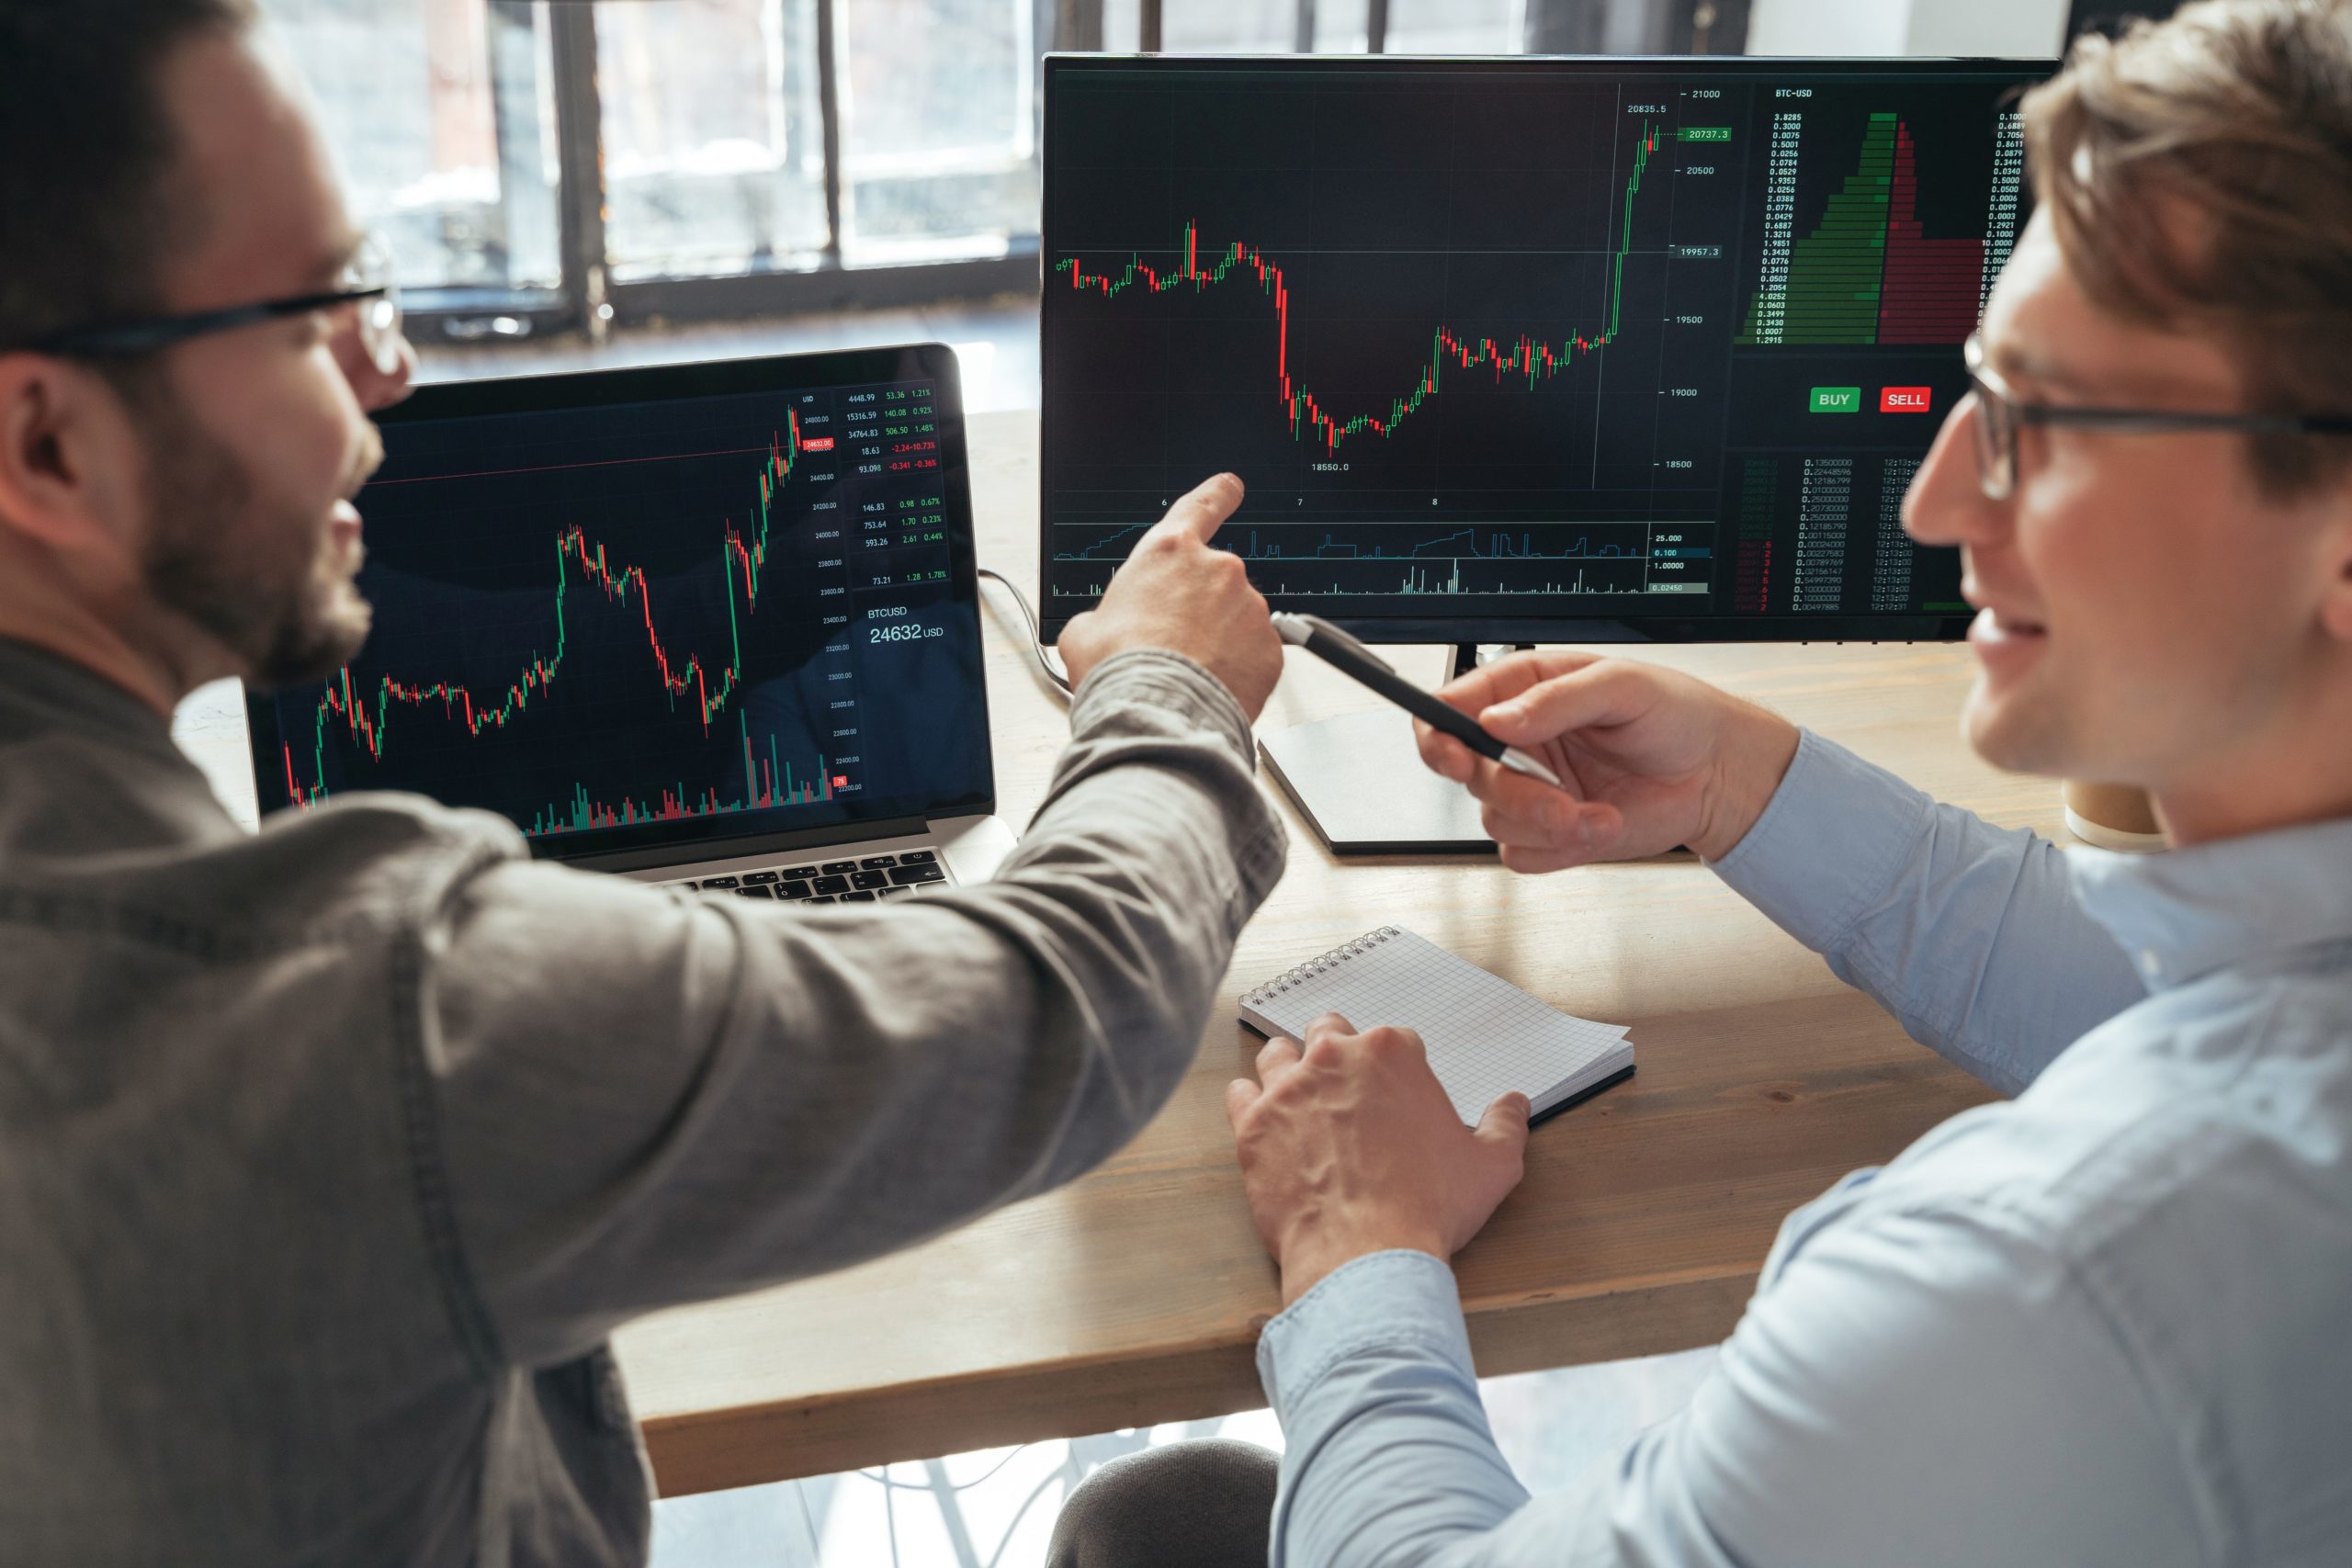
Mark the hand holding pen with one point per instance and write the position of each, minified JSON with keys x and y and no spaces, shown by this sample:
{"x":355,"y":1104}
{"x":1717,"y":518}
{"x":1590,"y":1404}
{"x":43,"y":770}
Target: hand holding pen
{"x":1648,"y":758}
{"x":1344,"y":653}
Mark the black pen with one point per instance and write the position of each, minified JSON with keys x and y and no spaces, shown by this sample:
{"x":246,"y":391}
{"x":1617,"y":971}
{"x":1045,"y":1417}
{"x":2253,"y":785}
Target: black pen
{"x":1344,"y":653}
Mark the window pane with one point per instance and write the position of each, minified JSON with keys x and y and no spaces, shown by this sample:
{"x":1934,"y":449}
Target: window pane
{"x":1457,"y":27}
{"x":1340,"y":27}
{"x":939,"y":146}
{"x":439,"y":113}
{"x":1122,"y":26}
{"x":714,"y":156}
{"x":1229,"y":26}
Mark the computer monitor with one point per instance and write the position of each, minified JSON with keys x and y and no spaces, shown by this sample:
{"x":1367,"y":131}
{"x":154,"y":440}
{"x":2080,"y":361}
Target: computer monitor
{"x":1523,"y":349}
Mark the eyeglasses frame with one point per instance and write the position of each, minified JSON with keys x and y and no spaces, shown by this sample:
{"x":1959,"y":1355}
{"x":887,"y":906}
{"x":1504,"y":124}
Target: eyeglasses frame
{"x":2001,"y":414}
{"x":125,"y":339}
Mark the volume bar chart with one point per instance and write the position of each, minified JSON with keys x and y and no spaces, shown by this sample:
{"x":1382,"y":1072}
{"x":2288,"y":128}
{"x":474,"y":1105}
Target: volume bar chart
{"x":768,"y":783}
{"x":1363,"y":559}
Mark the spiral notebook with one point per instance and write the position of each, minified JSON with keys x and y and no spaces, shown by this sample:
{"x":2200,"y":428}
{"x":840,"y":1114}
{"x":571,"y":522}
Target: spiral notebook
{"x":1485,"y":1036}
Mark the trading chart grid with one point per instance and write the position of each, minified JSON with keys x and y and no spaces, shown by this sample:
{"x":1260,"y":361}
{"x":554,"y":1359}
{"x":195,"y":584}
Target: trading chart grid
{"x":606,"y":619}
{"x":1520,"y":342}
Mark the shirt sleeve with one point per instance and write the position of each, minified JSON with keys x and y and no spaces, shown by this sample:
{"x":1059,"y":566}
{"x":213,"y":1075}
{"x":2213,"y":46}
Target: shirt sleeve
{"x":1970,"y":935}
{"x":1931,"y":1389}
{"x":644,"y":1098}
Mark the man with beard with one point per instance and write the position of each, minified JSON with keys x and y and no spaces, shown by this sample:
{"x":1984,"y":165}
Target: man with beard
{"x":330,"y":1157}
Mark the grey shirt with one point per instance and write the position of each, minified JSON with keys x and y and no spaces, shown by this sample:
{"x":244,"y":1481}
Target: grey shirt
{"x":331,"y":1154}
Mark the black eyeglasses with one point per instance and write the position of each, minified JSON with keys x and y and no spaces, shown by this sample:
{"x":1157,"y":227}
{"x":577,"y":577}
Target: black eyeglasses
{"x":366,"y":289}
{"x":2000,"y":413}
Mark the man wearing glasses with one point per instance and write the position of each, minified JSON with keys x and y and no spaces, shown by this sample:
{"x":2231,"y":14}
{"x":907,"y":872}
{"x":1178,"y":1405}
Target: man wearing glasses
{"x":2111,"y":1320}
{"x":332,"y":1155}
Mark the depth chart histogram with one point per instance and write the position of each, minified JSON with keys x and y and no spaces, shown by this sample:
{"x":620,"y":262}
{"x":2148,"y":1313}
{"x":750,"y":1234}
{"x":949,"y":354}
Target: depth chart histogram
{"x":594,"y":619}
{"x":1504,"y":345}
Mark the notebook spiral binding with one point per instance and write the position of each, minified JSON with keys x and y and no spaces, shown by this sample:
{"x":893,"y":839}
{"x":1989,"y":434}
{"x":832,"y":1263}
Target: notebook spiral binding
{"x":1320,"y":965}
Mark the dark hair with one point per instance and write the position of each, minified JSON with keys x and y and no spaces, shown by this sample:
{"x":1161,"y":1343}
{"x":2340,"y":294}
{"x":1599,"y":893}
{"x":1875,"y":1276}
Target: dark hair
{"x":2238,"y":113}
{"x":86,"y":210}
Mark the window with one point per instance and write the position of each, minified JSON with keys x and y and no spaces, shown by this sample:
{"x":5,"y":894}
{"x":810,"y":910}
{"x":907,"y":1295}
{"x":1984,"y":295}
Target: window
{"x":1457,"y":27}
{"x":939,"y":129}
{"x":1341,"y":27}
{"x":439,"y":113}
{"x":714,"y":156}
{"x":1227,"y":27}
{"x":536,"y":163}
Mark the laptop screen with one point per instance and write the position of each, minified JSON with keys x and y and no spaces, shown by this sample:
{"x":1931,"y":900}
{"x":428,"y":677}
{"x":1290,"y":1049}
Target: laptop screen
{"x":650,"y":609}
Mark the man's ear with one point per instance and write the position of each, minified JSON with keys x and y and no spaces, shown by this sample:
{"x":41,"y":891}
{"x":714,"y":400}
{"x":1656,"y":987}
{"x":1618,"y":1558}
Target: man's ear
{"x":2335,"y":558}
{"x":69,"y":458}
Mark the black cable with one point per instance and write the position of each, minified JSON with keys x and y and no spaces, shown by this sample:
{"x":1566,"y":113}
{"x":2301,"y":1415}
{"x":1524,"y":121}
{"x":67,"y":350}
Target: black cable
{"x":1029,"y":619}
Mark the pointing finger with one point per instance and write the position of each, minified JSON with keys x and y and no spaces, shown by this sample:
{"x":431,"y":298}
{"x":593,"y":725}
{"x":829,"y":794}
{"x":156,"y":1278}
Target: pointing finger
{"x":1239,"y":1096}
{"x":1200,"y":512}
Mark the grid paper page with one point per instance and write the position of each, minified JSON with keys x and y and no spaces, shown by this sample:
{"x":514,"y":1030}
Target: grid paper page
{"x":1485,"y":1036}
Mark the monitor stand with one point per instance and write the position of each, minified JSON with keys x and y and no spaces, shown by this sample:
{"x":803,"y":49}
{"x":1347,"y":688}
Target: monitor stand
{"x":1359,"y":781}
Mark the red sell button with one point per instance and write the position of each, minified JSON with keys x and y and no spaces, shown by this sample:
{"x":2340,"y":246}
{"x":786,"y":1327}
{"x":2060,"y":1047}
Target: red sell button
{"x":1903,"y":400}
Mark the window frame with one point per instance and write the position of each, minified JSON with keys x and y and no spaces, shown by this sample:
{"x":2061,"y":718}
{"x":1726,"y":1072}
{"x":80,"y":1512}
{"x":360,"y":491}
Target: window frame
{"x":588,"y":301}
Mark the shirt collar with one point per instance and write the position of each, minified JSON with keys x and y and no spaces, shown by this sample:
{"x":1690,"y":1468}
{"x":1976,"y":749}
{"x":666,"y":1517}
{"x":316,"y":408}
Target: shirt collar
{"x":42,"y":691}
{"x":2184,"y":913}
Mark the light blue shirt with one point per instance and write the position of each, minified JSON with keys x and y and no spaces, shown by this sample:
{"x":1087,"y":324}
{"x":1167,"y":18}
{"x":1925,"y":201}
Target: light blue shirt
{"x":2107,"y":1321}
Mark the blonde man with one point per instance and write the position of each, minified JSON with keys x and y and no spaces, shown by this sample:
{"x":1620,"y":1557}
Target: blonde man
{"x":2111,"y":1320}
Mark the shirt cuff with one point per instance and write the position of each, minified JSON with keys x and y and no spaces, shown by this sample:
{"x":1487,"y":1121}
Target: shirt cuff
{"x":1830,"y":842}
{"x":1381,"y":1300}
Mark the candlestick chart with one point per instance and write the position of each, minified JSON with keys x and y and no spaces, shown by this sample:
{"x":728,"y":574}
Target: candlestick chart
{"x":1524,"y":360}
{"x":1401,"y":374}
{"x":606,"y":619}
{"x":1500,"y":342}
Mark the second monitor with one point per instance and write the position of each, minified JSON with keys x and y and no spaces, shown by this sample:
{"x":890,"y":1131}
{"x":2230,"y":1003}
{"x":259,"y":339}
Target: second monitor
{"x":1512,"y":349}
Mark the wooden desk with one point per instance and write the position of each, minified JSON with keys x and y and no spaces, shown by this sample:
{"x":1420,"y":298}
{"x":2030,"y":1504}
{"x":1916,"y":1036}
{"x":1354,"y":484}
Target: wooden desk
{"x":1135,"y":1296}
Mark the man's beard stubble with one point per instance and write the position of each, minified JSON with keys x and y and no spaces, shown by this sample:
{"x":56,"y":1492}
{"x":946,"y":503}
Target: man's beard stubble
{"x":260,"y":585}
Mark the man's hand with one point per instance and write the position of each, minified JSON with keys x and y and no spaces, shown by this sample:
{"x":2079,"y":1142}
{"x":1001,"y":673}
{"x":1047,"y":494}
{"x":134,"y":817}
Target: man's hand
{"x":1348,"y":1147}
{"x":1176,"y":592}
{"x":1651,"y":758}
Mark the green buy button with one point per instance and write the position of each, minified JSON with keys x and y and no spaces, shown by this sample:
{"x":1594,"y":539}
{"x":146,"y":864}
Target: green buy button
{"x":1836,"y":399}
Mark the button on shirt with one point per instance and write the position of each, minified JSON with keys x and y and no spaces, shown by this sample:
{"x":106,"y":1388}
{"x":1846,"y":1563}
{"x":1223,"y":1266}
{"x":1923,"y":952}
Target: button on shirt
{"x":2107,"y":1321}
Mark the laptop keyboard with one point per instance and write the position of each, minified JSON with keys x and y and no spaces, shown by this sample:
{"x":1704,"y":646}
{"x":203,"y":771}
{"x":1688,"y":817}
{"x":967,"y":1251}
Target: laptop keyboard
{"x":865,"y":881}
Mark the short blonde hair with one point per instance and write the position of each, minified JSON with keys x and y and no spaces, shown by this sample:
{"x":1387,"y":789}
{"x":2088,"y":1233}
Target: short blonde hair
{"x":2238,"y":112}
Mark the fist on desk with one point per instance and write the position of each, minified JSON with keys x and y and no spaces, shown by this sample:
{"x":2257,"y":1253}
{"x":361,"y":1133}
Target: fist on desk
{"x":1176,"y":592}
{"x":1348,"y":1147}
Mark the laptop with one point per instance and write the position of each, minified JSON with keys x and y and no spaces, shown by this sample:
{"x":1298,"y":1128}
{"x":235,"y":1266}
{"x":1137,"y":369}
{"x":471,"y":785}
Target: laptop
{"x":710,"y":625}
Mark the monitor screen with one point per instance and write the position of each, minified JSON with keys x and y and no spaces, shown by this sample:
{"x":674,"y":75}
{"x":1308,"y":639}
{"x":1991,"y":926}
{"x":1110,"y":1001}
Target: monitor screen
{"x":638,"y":608}
{"x":1519,"y":349}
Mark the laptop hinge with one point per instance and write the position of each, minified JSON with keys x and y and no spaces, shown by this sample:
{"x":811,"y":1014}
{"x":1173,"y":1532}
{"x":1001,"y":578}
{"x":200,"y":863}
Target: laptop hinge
{"x":750,"y":844}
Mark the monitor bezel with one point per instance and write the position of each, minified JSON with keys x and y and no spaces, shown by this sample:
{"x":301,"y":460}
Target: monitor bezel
{"x":658,"y":843}
{"x":1879,"y":628}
